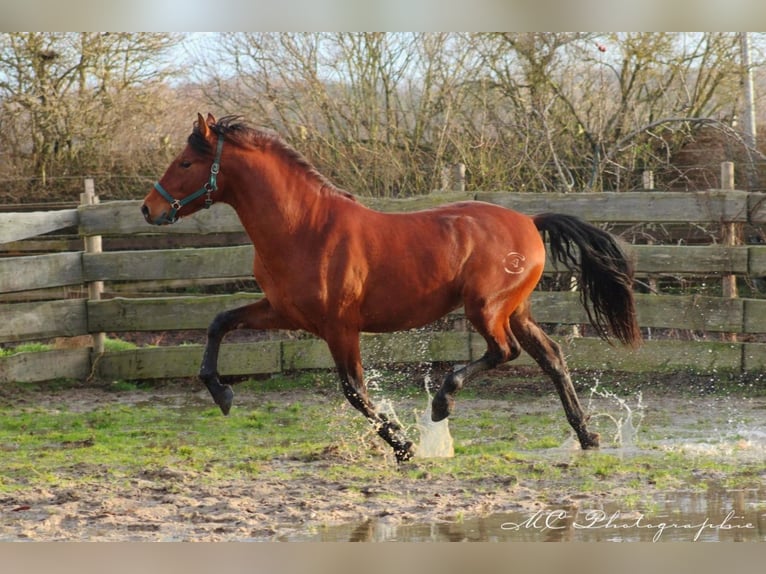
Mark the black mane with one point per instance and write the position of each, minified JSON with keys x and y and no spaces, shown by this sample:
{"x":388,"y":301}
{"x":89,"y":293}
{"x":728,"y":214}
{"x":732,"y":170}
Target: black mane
{"x":238,"y":132}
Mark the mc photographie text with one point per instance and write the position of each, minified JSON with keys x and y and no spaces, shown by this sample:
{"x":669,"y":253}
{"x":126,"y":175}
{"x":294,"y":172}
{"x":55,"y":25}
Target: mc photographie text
{"x":619,"y":522}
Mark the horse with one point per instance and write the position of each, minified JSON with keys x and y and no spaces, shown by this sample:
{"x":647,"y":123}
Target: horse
{"x":335,"y":268}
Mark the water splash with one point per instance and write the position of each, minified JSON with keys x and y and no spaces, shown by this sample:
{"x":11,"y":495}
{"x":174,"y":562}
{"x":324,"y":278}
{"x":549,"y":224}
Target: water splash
{"x":435,"y":438}
{"x":627,"y":420}
{"x":737,"y":434}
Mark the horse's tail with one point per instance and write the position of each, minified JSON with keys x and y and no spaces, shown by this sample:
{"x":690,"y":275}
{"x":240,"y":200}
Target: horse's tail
{"x":605,"y":273}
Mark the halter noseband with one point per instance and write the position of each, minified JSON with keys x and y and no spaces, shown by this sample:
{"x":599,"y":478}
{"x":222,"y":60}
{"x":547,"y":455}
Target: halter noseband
{"x":210,"y":186}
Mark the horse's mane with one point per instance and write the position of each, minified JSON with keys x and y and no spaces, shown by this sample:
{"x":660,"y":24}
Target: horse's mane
{"x":235,"y":130}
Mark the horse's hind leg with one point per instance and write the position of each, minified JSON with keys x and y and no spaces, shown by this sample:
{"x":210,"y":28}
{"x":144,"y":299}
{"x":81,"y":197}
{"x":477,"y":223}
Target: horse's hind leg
{"x":502,"y":347}
{"x":548,"y":355}
{"x":260,"y":315}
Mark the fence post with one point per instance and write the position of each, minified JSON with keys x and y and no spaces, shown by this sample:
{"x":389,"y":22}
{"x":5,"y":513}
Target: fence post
{"x":728,"y":238}
{"x":458,"y":177}
{"x":93,"y":245}
{"x":647,"y":178}
{"x":729,"y":231}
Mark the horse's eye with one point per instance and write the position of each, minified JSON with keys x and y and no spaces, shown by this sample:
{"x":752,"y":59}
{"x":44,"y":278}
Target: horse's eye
{"x":185,"y":164}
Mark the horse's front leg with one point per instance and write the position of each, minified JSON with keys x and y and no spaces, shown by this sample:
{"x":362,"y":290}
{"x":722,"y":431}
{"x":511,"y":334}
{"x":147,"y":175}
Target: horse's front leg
{"x":261,"y":316}
{"x":345,"y":351}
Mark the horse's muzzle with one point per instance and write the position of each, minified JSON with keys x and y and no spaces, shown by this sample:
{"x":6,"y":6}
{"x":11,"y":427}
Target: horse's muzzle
{"x":161,"y":220}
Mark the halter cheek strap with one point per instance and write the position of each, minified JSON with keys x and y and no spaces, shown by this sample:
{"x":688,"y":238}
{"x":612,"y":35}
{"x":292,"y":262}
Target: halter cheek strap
{"x":210,"y":186}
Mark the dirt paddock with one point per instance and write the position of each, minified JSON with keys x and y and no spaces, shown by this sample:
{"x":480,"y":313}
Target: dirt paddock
{"x":300,"y":497}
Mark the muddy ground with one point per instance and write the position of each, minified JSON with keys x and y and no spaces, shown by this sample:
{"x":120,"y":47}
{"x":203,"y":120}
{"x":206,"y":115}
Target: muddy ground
{"x":178,"y":505}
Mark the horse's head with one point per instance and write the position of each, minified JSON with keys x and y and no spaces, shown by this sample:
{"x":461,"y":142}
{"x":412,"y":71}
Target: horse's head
{"x":190,"y":182}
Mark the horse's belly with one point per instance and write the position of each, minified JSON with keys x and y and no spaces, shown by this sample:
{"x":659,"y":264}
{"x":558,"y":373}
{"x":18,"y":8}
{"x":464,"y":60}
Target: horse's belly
{"x":399,"y":312}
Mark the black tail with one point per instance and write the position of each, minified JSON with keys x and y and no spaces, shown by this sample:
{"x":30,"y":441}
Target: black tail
{"x":605,"y":273}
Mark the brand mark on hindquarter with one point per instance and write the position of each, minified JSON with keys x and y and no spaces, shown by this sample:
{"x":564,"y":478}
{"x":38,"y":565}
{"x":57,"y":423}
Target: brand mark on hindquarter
{"x":513,"y":262}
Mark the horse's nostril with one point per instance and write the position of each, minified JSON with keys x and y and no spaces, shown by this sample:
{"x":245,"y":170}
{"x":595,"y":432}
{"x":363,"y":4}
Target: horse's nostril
{"x":145,"y":210}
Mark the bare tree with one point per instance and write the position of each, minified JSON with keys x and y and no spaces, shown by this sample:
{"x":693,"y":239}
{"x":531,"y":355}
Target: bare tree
{"x":372,"y":110}
{"x":62,"y":94}
{"x":381,"y":113}
{"x":601,"y":100}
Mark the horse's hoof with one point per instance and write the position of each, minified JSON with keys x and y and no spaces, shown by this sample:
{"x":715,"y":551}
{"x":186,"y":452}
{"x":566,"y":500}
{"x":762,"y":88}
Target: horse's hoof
{"x":590,"y":441}
{"x":224,"y":398}
{"x":441,"y":407}
{"x":405,"y":453}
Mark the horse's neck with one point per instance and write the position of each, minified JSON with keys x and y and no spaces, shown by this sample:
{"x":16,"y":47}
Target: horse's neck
{"x":276,"y":209}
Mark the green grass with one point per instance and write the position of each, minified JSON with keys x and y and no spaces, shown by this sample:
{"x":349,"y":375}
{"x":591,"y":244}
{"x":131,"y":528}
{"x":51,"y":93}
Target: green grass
{"x":277,"y":434}
{"x":40,"y":444}
{"x":25,"y":348}
{"x":115,"y":345}
{"x":110,"y":345}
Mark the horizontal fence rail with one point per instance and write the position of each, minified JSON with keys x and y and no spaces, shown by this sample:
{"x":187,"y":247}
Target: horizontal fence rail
{"x":44,"y":271}
{"x":33,"y":321}
{"x":163,"y":263}
{"x":641,"y":206}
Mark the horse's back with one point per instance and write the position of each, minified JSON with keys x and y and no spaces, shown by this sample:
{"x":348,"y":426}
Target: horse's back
{"x":420,"y":265}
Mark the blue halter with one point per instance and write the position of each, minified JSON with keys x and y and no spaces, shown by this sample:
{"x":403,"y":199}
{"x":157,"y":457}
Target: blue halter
{"x":210,"y":186}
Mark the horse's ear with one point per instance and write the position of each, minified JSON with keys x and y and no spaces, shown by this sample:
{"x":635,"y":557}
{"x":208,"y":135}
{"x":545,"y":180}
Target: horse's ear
{"x":210,"y":119}
{"x":202,"y":126}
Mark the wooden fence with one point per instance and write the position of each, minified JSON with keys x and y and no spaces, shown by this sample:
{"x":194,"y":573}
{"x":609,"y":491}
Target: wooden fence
{"x":723,"y":333}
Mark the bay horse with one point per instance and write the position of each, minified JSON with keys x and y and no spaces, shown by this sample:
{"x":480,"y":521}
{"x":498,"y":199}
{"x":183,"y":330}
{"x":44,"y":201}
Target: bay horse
{"x":335,"y":268}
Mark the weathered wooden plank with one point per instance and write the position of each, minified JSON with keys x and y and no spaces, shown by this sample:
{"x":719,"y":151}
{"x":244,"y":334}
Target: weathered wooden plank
{"x":236,"y":261}
{"x":162,"y":313}
{"x":659,"y":311}
{"x":42,"y":320}
{"x":125,"y":218}
{"x":17,"y":226}
{"x":757,"y":207}
{"x":693,"y":312}
{"x":40,"y":272}
{"x":415,"y":347}
{"x":73,"y":242}
{"x":210,"y":262}
{"x":170,"y":362}
{"x":754,"y":315}
{"x":666,"y":355}
{"x":403,"y":347}
{"x":754,"y":357}
{"x":631,"y":207}
{"x":756,"y":260}
{"x":591,"y":353}
{"x":46,"y":366}
{"x":684,"y":259}
{"x":687,"y":260}
{"x":300,"y":354}
{"x":265,"y":357}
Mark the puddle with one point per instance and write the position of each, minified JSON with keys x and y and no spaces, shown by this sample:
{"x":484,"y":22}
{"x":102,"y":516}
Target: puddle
{"x":297,"y":499}
{"x":717,"y":515}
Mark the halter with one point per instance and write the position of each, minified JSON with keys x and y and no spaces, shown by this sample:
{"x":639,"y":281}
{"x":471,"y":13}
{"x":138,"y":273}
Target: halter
{"x":210,"y":186}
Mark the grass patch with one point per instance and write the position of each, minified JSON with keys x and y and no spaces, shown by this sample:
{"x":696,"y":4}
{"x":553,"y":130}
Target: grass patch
{"x":116,"y":345}
{"x":307,"y":380}
{"x":42,"y":445}
{"x":287,"y":430}
{"x":25,"y":348}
